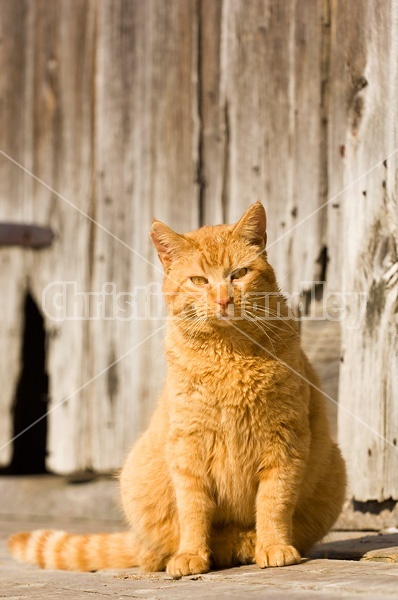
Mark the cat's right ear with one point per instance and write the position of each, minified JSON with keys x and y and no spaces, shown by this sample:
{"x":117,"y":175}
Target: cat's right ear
{"x":167,"y":242}
{"x":253,"y":225}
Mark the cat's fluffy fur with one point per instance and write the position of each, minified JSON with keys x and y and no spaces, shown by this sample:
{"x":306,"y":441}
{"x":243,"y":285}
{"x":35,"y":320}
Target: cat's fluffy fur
{"x":237,"y":464}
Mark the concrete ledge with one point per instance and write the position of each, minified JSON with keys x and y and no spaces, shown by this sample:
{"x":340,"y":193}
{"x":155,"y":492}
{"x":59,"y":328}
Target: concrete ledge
{"x":51,"y":497}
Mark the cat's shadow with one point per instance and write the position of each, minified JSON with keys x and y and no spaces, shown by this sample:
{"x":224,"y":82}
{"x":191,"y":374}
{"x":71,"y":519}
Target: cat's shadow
{"x":356,"y":548}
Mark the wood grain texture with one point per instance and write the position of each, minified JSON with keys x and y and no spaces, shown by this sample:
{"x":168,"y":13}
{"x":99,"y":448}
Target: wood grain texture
{"x":12,"y":182}
{"x":61,"y":61}
{"x":147,"y":144}
{"x":109,"y":100}
{"x":267,"y":144}
{"x":368,"y":417}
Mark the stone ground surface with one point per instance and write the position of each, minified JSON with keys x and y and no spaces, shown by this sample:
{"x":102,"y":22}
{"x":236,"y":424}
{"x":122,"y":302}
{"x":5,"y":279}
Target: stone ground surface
{"x":316,"y":578}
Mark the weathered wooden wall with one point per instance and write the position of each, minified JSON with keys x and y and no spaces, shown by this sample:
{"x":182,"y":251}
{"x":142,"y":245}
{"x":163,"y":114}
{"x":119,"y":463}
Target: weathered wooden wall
{"x":364,"y":114}
{"x":100,"y":102}
{"x":190,"y":110}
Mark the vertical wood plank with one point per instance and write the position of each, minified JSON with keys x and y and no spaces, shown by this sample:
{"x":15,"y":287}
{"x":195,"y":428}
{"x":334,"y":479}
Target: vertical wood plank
{"x":269,"y":127}
{"x":49,"y":125}
{"x":13,"y":31}
{"x":213,"y":111}
{"x":364,"y":46}
{"x":62,"y":58}
{"x":147,"y":150}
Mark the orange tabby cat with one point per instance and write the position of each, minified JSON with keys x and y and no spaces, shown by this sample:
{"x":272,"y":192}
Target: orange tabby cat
{"x":237,"y":464}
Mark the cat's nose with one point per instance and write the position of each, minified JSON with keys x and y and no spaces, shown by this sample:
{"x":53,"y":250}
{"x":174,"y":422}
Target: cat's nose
{"x":224,"y":300}
{"x":223,"y":296}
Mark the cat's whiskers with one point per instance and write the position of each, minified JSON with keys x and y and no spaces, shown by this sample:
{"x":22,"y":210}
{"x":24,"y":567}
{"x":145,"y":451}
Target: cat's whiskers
{"x":192,"y":323}
{"x":264,"y":326}
{"x":174,"y":321}
{"x":258,"y":325}
{"x":171,"y":329}
{"x":196,"y":328}
{"x":271,"y":314}
{"x":270,"y":320}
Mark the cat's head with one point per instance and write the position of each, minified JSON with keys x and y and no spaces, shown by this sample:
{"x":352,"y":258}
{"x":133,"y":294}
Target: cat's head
{"x":213,"y":274}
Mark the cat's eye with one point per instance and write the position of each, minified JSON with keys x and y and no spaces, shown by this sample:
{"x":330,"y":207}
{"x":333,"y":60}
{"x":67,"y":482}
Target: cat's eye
{"x":199,"y":280}
{"x":239,"y":273}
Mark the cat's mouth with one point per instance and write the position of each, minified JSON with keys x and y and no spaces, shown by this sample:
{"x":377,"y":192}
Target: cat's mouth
{"x":224,"y":315}
{"x":214,"y":315}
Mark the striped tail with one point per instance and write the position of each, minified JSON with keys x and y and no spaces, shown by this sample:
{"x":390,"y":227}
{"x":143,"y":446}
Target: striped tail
{"x":50,"y":549}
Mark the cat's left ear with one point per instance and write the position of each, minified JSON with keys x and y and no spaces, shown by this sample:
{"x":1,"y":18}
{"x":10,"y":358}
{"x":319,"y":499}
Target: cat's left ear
{"x":253,"y":225}
{"x":167,"y":242}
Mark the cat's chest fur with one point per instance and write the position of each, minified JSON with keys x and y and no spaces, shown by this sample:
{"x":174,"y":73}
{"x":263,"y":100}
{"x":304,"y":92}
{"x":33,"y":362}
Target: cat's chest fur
{"x":225,"y":404}
{"x":237,"y":444}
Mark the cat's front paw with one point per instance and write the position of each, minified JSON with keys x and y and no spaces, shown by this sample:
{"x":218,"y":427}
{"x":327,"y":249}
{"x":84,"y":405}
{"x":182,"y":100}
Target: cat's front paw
{"x":277,"y":555}
{"x":187,"y":564}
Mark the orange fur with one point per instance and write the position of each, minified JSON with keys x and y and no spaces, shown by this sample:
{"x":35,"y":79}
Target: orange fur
{"x":237,"y":464}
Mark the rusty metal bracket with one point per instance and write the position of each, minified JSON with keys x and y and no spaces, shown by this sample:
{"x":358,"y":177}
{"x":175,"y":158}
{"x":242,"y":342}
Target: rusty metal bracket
{"x":25,"y":235}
